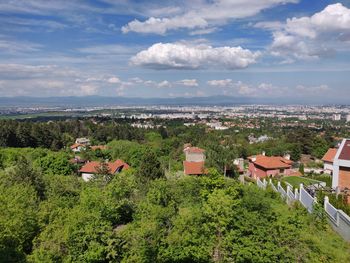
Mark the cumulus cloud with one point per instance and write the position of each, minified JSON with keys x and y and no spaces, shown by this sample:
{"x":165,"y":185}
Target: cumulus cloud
{"x":114,"y":80}
{"x":186,"y":56}
{"x":264,"y":90}
{"x":220,"y":82}
{"x":313,"y":37}
{"x":202,"y":15}
{"x":162,"y":25}
{"x":188,"y":82}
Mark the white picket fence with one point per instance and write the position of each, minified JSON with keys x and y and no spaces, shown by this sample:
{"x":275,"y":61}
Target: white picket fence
{"x":337,"y":218}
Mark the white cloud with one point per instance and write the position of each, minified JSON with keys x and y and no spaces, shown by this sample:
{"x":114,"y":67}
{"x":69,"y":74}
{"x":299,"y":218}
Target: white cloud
{"x":88,"y":90}
{"x":162,"y":25}
{"x":313,"y":37}
{"x":202,"y":14}
{"x":164,"y":84}
{"x":188,"y":82}
{"x":220,"y":82}
{"x":114,"y":80}
{"x":185,"y":56}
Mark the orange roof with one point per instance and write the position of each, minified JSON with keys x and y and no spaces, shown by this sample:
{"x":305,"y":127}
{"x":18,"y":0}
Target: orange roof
{"x":92,"y":167}
{"x":271,"y":162}
{"x":76,"y":145}
{"x":330,"y":154}
{"x":194,"y":150}
{"x":194,"y":168}
{"x":101,"y":147}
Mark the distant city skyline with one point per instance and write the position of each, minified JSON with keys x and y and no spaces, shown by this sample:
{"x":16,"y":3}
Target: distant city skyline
{"x":288,"y":50}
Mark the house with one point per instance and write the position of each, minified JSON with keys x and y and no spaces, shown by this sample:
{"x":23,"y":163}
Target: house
{"x":194,"y":154}
{"x":266,"y":166}
{"x":194,"y":168}
{"x":92,"y":168}
{"x":328,"y":159}
{"x":195,"y":160}
{"x":83,"y":141}
{"x":77,"y":147}
{"x":341,"y":166}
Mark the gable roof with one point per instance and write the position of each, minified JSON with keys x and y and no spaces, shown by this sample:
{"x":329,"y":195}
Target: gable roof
{"x":194,"y":150}
{"x":194,"y":168}
{"x":345,"y":151}
{"x":92,"y":167}
{"x":330,"y":154}
{"x":271,"y":162}
{"x":76,"y":145}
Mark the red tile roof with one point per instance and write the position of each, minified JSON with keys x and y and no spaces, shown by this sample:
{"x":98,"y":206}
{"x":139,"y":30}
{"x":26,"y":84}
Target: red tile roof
{"x":194,"y":168}
{"x":271,"y":162}
{"x":194,"y":150}
{"x":330,"y":154}
{"x":76,"y":145}
{"x":92,"y":167}
{"x":345,"y":151}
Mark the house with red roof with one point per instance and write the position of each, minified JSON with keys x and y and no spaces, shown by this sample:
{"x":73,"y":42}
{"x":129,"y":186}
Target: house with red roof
{"x":92,"y":168}
{"x":195,"y":160}
{"x":328,"y":160}
{"x":78,"y":147}
{"x":268,"y":166}
{"x":341,"y":167}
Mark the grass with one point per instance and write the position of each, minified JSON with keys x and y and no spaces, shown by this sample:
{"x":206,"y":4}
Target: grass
{"x":295,"y":181}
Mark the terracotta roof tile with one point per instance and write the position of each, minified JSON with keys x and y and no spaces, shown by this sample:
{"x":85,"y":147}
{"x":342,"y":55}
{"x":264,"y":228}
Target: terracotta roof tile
{"x":329,"y":156}
{"x":271,"y":162}
{"x":92,"y":167}
{"x":194,"y":168}
{"x":194,"y":150}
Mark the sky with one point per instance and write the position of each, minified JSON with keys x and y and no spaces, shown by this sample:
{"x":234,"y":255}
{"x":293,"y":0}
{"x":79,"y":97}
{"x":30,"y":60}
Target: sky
{"x":288,"y":49}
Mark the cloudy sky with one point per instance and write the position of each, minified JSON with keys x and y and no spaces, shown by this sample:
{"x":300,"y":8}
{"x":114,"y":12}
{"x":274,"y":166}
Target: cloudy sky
{"x":176,"y":48}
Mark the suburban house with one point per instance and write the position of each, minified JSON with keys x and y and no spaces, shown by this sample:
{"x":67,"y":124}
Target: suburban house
{"x":341,"y":167}
{"x":328,"y":160}
{"x":195,"y":160}
{"x":83,"y":141}
{"x":267,"y":166}
{"x":77,"y":147}
{"x":80,"y":145}
{"x":92,"y":168}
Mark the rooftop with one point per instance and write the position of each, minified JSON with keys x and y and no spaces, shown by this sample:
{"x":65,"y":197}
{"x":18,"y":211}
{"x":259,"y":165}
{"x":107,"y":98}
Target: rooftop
{"x":345,"y":151}
{"x":330,"y":154}
{"x":194,"y":168}
{"x":92,"y":167}
{"x":271,"y":162}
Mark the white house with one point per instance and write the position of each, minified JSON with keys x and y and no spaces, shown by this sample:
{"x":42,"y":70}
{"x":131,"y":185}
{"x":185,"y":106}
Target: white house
{"x":328,"y":160}
{"x":77,"y":147}
{"x":341,"y":166}
{"x":91,"y":168}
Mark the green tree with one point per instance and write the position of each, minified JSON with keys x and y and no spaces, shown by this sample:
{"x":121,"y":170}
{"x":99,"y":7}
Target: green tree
{"x":150,"y":167}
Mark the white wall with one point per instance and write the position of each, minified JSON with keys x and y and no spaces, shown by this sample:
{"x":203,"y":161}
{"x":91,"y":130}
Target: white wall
{"x":86,"y":176}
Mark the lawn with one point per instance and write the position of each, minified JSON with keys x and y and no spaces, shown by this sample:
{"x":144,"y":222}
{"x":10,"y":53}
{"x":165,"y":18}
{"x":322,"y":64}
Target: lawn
{"x":295,"y":181}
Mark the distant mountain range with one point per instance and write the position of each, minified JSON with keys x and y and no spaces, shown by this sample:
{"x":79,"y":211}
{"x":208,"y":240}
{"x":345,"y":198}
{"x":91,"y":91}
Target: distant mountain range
{"x":95,"y":101}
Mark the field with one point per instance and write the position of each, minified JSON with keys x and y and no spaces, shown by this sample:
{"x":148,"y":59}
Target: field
{"x":295,"y":181}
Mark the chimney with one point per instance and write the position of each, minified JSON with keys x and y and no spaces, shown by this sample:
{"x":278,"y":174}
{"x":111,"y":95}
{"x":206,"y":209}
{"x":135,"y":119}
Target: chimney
{"x":263,"y":153}
{"x":287,"y":156}
{"x":254,"y":158}
{"x":241,"y":163}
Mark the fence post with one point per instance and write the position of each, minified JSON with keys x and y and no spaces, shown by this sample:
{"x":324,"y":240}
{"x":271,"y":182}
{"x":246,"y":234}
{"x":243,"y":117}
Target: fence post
{"x":278,"y":185}
{"x":326,"y":200}
{"x":270,"y":181}
{"x":296,"y":194}
{"x":301,"y":187}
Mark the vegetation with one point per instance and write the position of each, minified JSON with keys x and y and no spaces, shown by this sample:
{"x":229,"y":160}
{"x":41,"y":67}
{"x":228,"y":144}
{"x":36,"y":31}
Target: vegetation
{"x":140,"y":215}
{"x":295,"y":181}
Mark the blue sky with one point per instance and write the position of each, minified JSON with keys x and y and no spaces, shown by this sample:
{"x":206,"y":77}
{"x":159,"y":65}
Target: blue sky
{"x":251,"y":48}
